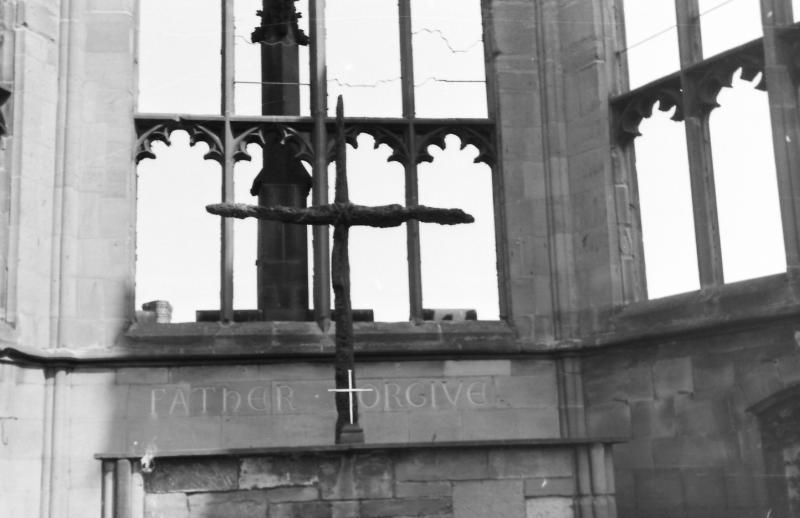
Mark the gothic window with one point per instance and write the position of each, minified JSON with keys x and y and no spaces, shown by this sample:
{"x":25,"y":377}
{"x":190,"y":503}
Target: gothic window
{"x":400,"y":66}
{"x":713,"y":185}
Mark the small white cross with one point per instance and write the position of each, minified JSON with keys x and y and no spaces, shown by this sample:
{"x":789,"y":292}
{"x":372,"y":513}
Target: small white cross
{"x":350,"y":391}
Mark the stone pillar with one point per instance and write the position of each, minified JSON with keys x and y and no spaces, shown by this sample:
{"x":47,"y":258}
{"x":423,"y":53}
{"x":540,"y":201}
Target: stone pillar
{"x":282,"y":249}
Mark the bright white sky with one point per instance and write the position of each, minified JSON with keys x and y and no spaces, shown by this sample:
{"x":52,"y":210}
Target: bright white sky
{"x":178,"y":242}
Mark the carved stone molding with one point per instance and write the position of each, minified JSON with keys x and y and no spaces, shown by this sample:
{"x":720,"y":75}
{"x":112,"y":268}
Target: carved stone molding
{"x":629,"y":110}
{"x":146,"y":135}
{"x":718,"y":73}
{"x":260,"y":134}
{"x":210,"y":133}
{"x":160,"y":130}
{"x":479,"y":136}
{"x":296,"y":133}
{"x":394,"y":137}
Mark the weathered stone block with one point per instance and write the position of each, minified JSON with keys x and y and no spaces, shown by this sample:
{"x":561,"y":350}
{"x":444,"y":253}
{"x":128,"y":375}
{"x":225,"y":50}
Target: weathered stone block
{"x":550,"y":486}
{"x":713,"y":374}
{"x":550,"y":507}
{"x":526,"y":391}
{"x":653,"y":418}
{"x":166,"y":505}
{"x":345,"y":509}
{"x":433,"y":426}
{"x":210,"y":474}
{"x":175,"y":434}
{"x":301,"y":510}
{"x":633,"y":383}
{"x":241,"y":504}
{"x":477,"y":368}
{"x":687,"y":452}
{"x":373,"y":475}
{"x":704,"y":487}
{"x":405,"y":507}
{"x":495,"y":498}
{"x":387,"y":427}
{"x":673,"y":376}
{"x":531,"y":463}
{"x":761,"y":382}
{"x":705,"y":417}
{"x":442,"y":465}
{"x":423,"y":489}
{"x":658,"y":487}
{"x":293,"y":494}
{"x":510,"y":423}
{"x":278,"y":471}
{"x":637,"y":453}
{"x":610,"y":419}
{"x":357,"y":476}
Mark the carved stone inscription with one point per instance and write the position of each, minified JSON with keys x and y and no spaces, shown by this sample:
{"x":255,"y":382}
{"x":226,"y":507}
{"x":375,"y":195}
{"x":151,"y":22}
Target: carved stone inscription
{"x":303,"y":397}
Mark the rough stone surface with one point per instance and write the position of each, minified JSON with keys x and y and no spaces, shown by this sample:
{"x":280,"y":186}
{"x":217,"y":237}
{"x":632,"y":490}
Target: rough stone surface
{"x":220,"y":474}
{"x":242,"y":504}
{"x":167,"y":505}
{"x":503,"y":499}
{"x":276,"y":471}
{"x":405,"y":507}
{"x":550,"y":507}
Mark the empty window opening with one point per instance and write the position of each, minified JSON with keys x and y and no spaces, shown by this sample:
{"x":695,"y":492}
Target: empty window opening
{"x":177,"y":242}
{"x":751,"y":232}
{"x":364,"y":68}
{"x":650,"y":31}
{"x":179,"y":62}
{"x":459,"y":268}
{"x":378,"y":262}
{"x":665,"y":201}
{"x":245,"y":243}
{"x":270,"y":77}
{"x":725,"y":24}
{"x":449,"y":71}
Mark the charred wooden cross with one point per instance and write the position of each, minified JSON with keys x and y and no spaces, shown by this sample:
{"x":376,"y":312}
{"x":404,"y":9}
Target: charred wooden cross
{"x":342,"y":215}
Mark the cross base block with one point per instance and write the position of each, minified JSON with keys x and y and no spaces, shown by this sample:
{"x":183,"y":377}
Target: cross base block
{"x":351,"y":434}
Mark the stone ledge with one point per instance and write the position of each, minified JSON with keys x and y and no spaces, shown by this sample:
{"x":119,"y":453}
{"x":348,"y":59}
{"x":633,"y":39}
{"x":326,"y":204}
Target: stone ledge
{"x":738,"y":304}
{"x":306,"y":339}
{"x":337,"y":448}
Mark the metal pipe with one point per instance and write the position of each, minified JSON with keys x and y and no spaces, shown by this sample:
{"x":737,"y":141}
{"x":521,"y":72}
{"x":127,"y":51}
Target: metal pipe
{"x":319,"y":138}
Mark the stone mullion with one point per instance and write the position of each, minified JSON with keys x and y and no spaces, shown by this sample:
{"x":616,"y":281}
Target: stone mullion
{"x":698,"y":145}
{"x":498,"y":188}
{"x":785,"y":117}
{"x":623,"y":158}
{"x":410,"y":165}
{"x":227,"y":108}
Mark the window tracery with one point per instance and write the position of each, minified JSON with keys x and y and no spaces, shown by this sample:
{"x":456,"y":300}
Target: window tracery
{"x":310,"y":138}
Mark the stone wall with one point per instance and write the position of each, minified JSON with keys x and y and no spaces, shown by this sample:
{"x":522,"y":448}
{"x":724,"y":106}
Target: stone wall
{"x":694,"y":447}
{"x":22,"y":434}
{"x":55,"y":420}
{"x":210,"y":407}
{"x":511,"y":482}
{"x":67,"y":208}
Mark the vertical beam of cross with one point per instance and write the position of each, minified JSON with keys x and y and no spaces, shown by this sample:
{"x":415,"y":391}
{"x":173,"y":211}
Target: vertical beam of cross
{"x":340,"y":279}
{"x":342,"y":215}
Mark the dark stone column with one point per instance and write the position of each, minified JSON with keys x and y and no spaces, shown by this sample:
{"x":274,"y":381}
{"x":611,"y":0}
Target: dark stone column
{"x":282,"y":250}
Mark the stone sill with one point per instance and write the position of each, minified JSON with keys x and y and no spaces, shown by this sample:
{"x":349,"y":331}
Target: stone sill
{"x":333,"y":448}
{"x":306,"y":339}
{"x":735,"y":305}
